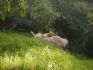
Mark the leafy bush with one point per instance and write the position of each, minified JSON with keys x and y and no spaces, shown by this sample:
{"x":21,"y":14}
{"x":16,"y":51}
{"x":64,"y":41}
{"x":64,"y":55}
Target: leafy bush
{"x":29,"y":14}
{"x":73,"y":22}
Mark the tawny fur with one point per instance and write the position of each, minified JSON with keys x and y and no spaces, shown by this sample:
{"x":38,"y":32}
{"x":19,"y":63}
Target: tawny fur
{"x":53,"y":38}
{"x":50,"y":34}
{"x":61,"y":42}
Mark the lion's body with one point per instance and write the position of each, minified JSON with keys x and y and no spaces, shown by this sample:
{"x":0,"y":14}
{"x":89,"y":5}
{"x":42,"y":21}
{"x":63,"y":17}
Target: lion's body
{"x":61,"y":42}
{"x":53,"y":38}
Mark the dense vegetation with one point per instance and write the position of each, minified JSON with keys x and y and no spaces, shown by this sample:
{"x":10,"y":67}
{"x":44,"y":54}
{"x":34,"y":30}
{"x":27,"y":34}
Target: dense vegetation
{"x":22,"y":52}
{"x":72,"y":19}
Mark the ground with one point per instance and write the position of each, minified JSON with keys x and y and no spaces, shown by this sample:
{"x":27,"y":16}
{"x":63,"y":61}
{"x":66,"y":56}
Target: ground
{"x":22,"y":52}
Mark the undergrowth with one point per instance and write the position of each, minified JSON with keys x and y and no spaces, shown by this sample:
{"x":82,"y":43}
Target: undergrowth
{"x":21,"y":52}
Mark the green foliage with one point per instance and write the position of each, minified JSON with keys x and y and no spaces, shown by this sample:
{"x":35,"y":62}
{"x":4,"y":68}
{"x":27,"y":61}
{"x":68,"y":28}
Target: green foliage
{"x":23,"y":7}
{"x":10,"y":12}
{"x":4,"y":8}
{"x":8,"y":6}
{"x":2,"y":16}
{"x":35,"y":54}
{"x":90,"y":17}
{"x":73,"y":22}
{"x":42,"y":13}
{"x":32,"y":13}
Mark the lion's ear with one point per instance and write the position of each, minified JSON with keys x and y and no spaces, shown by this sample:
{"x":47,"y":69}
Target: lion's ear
{"x":50,"y":31}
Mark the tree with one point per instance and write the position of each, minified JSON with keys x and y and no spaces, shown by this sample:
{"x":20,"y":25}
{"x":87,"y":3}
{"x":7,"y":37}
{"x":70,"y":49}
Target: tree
{"x":38,"y":14}
{"x":73,"y":22}
{"x":42,"y":14}
{"x":8,"y":10}
{"x":4,"y":8}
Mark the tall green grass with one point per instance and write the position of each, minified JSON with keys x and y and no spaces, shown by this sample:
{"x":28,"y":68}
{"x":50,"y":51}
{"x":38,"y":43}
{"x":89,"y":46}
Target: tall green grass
{"x":20,"y":52}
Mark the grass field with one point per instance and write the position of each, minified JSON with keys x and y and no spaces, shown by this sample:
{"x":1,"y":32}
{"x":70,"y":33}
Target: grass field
{"x":22,"y":52}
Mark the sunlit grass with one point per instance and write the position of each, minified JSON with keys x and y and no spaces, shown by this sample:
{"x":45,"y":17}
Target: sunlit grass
{"x":38,"y":59}
{"x":20,"y":52}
